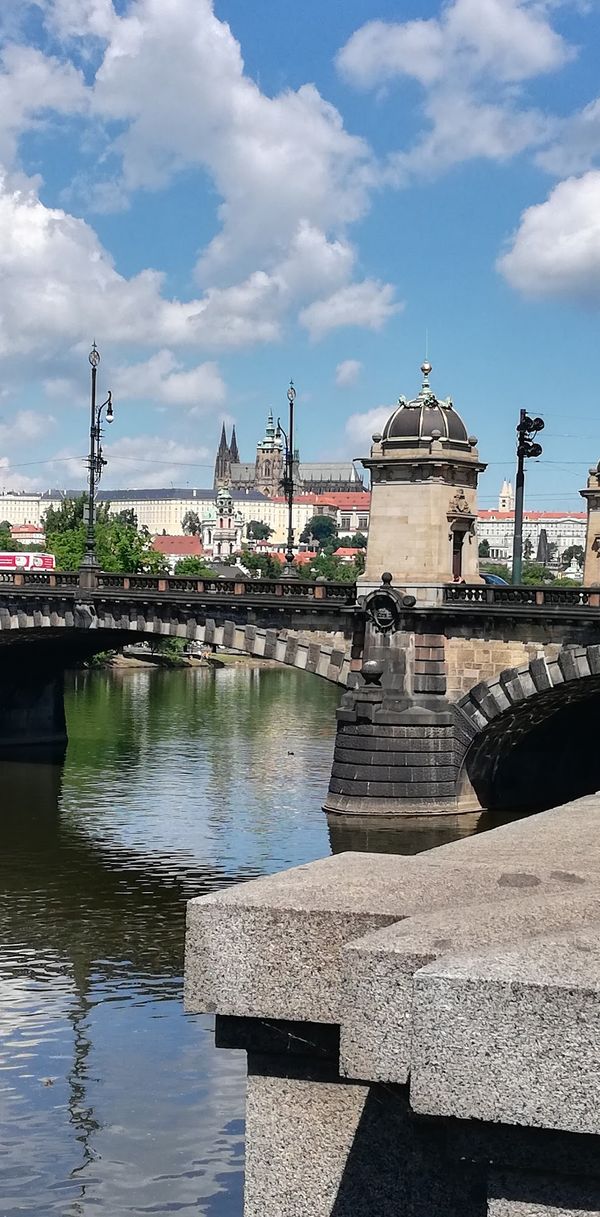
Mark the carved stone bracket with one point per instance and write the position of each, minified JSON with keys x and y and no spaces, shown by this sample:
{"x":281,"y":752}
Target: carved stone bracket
{"x":384,"y":606}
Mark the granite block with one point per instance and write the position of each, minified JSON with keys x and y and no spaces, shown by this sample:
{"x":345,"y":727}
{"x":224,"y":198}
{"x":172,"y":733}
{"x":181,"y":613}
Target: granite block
{"x":379,"y":968}
{"x":525,"y":1194}
{"x":526,"y":1019}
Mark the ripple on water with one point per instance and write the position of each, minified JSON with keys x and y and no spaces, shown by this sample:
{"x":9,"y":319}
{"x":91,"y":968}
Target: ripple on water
{"x":175,"y":784}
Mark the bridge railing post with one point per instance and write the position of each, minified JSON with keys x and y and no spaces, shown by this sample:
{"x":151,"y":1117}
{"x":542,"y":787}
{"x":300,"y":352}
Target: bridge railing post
{"x":88,"y":578}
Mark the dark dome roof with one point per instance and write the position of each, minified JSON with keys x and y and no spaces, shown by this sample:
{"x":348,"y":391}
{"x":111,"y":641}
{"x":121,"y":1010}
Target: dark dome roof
{"x":416,"y":423}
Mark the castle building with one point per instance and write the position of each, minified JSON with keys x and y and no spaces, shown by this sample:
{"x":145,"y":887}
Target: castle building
{"x":265,"y":473}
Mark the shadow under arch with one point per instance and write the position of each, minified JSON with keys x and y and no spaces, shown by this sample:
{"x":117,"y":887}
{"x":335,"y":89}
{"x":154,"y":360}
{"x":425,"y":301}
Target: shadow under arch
{"x":540,"y":752}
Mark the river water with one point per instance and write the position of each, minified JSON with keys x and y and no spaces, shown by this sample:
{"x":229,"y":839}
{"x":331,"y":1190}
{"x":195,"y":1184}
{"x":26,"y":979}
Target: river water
{"x":175,"y":783}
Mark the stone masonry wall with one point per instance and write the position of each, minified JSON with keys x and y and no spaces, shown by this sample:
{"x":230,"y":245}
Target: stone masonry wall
{"x":470,"y":660}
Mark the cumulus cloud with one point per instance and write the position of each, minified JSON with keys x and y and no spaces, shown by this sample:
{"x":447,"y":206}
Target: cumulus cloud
{"x":163,"y":379}
{"x":556,"y":249}
{"x":369,"y":304}
{"x":360,"y":428}
{"x":471,"y":62}
{"x":509,"y":39}
{"x":576,"y":143}
{"x":25,"y":425}
{"x":347,"y":373}
{"x":31,"y":86}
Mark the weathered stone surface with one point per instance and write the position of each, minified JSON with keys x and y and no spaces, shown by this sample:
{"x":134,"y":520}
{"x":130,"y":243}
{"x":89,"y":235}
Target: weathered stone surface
{"x":379,"y":969}
{"x":526,"y":1020}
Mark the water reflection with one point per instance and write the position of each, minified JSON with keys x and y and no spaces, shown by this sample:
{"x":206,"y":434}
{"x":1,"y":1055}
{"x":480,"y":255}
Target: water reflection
{"x":174,"y":784}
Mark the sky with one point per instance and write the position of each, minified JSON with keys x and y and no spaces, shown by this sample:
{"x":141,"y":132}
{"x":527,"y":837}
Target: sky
{"x":226,"y":195}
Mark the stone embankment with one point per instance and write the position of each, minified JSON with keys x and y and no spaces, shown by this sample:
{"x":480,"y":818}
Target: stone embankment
{"x":423,"y":1033}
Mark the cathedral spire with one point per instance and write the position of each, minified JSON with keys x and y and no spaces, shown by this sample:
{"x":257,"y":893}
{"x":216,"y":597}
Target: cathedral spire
{"x":234,"y":455}
{"x":223,"y":461}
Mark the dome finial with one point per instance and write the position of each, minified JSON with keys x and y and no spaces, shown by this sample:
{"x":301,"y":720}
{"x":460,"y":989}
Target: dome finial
{"x":426,"y":369}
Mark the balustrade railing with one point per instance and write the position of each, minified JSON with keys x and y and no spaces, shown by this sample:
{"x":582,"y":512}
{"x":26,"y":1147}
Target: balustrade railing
{"x":534,"y":597}
{"x":165,"y":585}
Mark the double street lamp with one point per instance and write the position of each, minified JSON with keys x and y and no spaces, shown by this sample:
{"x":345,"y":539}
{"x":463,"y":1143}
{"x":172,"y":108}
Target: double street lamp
{"x":527,"y":428}
{"x":95,"y":460}
{"x":287,"y":481}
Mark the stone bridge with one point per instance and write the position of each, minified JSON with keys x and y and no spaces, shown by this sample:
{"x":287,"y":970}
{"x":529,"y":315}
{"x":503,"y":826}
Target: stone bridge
{"x":481,"y":697}
{"x":304,"y":625}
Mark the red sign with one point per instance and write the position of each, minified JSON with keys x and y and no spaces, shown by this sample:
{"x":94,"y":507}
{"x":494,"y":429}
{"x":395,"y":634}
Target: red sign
{"x":25,"y":561}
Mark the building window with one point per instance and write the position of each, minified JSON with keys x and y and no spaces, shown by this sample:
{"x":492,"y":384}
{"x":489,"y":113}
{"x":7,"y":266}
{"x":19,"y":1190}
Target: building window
{"x":345,"y":522}
{"x":363,"y":522}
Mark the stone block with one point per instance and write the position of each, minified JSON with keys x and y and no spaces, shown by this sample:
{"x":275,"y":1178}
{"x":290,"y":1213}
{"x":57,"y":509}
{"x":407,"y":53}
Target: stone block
{"x":321,"y":1147}
{"x":526,"y":1020}
{"x":379,"y":969}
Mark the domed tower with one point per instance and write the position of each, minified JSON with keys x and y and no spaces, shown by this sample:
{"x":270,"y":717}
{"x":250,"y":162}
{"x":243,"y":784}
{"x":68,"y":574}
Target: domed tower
{"x":424,"y":470}
{"x":269,"y":460}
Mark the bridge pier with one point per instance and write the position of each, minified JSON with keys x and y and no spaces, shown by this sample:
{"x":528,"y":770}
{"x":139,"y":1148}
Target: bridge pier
{"x":32,"y":710}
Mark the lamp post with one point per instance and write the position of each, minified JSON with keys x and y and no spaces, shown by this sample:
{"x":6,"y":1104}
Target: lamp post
{"x":526,"y":446}
{"x":288,"y":481}
{"x":96,"y":463}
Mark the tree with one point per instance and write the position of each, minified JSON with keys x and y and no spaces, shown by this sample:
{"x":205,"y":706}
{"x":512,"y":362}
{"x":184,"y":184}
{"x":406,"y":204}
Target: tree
{"x":7,"y":541}
{"x":321,"y":529}
{"x":127,"y":516}
{"x":267,"y":564}
{"x":573,"y":551}
{"x":536,"y":572}
{"x":484,"y":548}
{"x":359,"y":541}
{"x":528,"y":549}
{"x":69,"y":515}
{"x":120,"y":545}
{"x":193,"y":566}
{"x":191,"y":524}
{"x":257,"y":531}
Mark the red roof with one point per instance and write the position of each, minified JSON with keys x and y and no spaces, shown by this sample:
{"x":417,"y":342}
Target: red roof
{"x":490,"y":514}
{"x":360,"y":499}
{"x":347,"y":551}
{"x":181,"y":547}
{"x":28,"y":528}
{"x":300,"y":559}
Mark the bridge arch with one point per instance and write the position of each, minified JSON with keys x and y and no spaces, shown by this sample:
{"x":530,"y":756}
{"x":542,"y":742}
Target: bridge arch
{"x":535,"y":732}
{"x":85,"y":630}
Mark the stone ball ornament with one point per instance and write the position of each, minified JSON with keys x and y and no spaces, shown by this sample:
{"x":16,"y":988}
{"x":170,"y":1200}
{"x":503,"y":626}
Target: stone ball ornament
{"x":372,"y":671}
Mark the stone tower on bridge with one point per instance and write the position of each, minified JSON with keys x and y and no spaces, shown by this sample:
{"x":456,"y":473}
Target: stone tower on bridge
{"x":424,"y":471}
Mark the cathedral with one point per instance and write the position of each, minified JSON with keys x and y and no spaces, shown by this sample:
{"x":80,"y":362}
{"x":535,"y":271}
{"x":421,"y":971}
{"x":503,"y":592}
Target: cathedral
{"x":266,"y":472}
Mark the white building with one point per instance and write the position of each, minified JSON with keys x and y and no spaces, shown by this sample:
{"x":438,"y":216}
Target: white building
{"x":223,"y":527}
{"x":497,"y":526}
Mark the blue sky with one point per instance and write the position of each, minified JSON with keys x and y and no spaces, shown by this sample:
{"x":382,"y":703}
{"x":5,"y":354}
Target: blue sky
{"x":227,"y":195}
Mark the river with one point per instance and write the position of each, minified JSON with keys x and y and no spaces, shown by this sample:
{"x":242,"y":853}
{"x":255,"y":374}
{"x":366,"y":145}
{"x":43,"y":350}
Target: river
{"x":112,"y":1100}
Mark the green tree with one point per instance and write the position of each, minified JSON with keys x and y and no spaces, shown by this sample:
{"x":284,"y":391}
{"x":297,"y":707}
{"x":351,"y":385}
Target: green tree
{"x":192,"y":566}
{"x":257,"y":531}
{"x":573,"y":551}
{"x":359,"y":540}
{"x":536,"y":573}
{"x":69,"y":515}
{"x":191,"y":524}
{"x":321,"y":529}
{"x":484,"y":548}
{"x":7,"y":541}
{"x":120,"y":545}
{"x":266,"y":564}
{"x":127,"y":516}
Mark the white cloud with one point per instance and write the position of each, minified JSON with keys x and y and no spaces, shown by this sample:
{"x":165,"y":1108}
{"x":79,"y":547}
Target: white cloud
{"x":369,"y":304}
{"x":471,"y":62}
{"x":32,"y":85}
{"x":25,"y":425}
{"x":139,"y":461}
{"x":509,"y":39}
{"x":163,"y":379}
{"x":347,"y":373}
{"x":556,"y":249}
{"x":576,"y":146}
{"x":360,"y":428}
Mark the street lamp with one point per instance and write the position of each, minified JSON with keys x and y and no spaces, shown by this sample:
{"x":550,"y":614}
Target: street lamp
{"x":95,"y":461}
{"x":526,"y":446}
{"x":287,"y":481}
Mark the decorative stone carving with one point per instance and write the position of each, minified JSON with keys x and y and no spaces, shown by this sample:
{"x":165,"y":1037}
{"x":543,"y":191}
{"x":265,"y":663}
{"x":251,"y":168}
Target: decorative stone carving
{"x":384,"y":606}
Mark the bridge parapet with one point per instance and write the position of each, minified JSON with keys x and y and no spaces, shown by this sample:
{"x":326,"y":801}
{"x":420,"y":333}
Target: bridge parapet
{"x":283,"y":589}
{"x":468,"y":594}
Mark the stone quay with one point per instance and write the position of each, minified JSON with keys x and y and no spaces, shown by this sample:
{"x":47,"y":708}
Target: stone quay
{"x":422,"y":1032}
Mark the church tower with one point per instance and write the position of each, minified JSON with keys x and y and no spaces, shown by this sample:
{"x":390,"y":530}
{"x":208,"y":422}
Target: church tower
{"x":506,"y":500}
{"x":234,"y":455}
{"x":269,"y":460}
{"x":223,"y":461}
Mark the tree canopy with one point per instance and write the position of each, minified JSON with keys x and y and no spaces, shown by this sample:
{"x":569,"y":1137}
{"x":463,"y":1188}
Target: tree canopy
{"x":322,"y":529}
{"x":120,"y":545}
{"x":257,"y":531}
{"x":191,"y":524}
{"x":192,"y":566}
